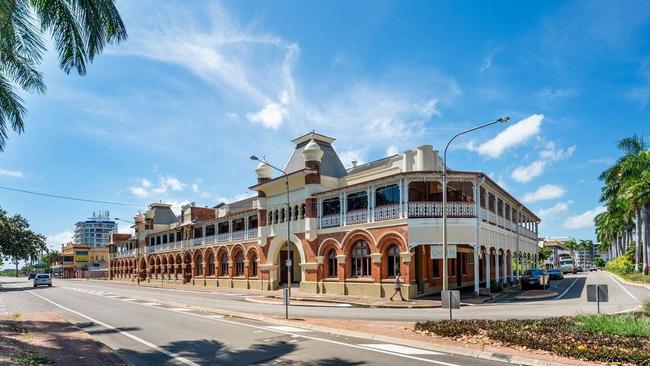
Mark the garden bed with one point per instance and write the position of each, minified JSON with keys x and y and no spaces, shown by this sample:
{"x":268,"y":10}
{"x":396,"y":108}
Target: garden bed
{"x":622,"y":339}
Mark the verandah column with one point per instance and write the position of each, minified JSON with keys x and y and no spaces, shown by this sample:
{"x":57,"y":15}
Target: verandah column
{"x":505,"y":269}
{"x":496,"y":266}
{"x":487,"y":260}
{"x":477,"y":244}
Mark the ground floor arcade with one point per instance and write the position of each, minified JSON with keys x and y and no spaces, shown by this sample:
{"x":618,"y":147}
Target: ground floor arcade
{"x":361,"y":262}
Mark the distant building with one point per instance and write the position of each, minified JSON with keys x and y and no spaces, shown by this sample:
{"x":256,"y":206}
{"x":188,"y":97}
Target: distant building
{"x":95,"y":230}
{"x":585,"y":258}
{"x":556,"y":245}
{"x":80,"y":261}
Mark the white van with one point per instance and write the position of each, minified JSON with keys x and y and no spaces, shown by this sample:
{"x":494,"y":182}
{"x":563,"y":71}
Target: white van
{"x":567,"y":265}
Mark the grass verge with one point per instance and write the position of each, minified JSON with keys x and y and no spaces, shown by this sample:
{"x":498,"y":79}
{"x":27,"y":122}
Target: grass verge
{"x":603,"y":338}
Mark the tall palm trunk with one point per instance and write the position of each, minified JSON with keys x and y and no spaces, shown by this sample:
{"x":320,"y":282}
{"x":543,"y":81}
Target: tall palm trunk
{"x":639,"y":243}
{"x":646,"y":237}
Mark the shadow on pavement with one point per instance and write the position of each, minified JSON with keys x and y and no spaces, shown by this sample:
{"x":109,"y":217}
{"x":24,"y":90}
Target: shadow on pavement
{"x":212,"y":352}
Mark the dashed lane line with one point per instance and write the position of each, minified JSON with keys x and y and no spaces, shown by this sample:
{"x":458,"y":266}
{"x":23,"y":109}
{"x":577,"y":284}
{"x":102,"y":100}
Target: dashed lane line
{"x":296,"y":334}
{"x":568,"y":288}
{"x":124,"y":333}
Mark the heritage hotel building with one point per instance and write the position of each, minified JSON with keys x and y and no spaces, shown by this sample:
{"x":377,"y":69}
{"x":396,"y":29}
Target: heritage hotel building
{"x":350,"y":230}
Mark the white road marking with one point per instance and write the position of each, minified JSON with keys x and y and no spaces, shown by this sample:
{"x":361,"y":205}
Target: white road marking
{"x":177,"y":309}
{"x":126,"y":334}
{"x":215,"y":316}
{"x":286,"y":328}
{"x":624,"y":289}
{"x":401,"y":349}
{"x":149,"y":303}
{"x":567,"y":289}
{"x":299,"y":335}
{"x":127,"y":299}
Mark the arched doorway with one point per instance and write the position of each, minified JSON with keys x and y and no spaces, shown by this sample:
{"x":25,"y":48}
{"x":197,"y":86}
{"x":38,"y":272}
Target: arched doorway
{"x":281,"y":259}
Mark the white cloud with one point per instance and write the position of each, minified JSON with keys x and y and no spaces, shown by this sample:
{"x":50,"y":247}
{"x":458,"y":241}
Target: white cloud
{"x":54,"y":241}
{"x":545,"y":192}
{"x":348,"y":156}
{"x":139,"y":192}
{"x":11,"y":173}
{"x":248,"y":66}
{"x":392,"y":150}
{"x":552,"y":212}
{"x":165,"y":184}
{"x":549,"y":154}
{"x":511,"y":137}
{"x":487,"y":62}
{"x":270,"y":116}
{"x":583,"y":220}
{"x":526,"y":173}
{"x":195,"y":188}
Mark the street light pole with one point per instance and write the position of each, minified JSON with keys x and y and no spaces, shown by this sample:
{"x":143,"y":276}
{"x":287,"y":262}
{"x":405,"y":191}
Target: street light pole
{"x":445,"y":270}
{"x":289,"y":262}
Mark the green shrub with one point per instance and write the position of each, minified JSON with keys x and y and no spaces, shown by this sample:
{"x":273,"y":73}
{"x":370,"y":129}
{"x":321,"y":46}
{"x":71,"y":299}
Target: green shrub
{"x":624,"y":324}
{"x":563,"y":336}
{"x":621,"y":265}
{"x":496,"y":286}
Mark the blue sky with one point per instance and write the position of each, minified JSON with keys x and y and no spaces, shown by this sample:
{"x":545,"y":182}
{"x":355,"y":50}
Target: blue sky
{"x":174,"y":113}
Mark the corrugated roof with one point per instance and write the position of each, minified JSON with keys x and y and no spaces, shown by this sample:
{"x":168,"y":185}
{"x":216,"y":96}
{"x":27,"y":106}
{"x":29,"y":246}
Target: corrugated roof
{"x":163,"y":215}
{"x":370,"y":165}
{"x":241,"y":206}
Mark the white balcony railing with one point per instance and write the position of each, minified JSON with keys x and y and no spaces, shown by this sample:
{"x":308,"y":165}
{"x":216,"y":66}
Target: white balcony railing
{"x":223,"y":237}
{"x":330,"y":221}
{"x":210,"y":239}
{"x":197,"y":241}
{"x":387,"y":212}
{"x":434,"y":209}
{"x":251,"y":233}
{"x":239,"y":234}
{"x":356,"y":216}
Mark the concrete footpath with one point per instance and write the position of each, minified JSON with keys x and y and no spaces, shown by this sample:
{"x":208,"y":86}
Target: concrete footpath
{"x":299,"y":298}
{"x":45,"y":338}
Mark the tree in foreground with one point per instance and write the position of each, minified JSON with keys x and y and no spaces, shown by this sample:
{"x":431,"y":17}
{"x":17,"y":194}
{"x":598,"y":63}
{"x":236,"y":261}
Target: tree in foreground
{"x":626,"y":196}
{"x":17,"y":241}
{"x":79,"y":29}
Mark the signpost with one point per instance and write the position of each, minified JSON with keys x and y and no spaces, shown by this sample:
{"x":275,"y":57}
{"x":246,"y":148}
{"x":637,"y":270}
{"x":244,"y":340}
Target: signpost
{"x":436,"y":251}
{"x":285,"y":296}
{"x":450,"y":300}
{"x":597,"y":294}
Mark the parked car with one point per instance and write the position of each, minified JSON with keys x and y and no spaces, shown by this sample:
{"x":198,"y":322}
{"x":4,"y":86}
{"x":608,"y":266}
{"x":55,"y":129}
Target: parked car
{"x":579,"y":269}
{"x":567,"y":266}
{"x":31,"y":276}
{"x":534,"y":278}
{"x":555,"y":274}
{"x":593,"y":268}
{"x":42,"y":279}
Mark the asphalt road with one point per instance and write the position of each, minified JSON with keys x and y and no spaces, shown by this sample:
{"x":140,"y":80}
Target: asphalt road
{"x":145,"y":332}
{"x":571,"y":300}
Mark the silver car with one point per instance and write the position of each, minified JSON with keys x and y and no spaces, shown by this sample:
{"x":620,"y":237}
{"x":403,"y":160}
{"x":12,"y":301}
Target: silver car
{"x":42,"y":279}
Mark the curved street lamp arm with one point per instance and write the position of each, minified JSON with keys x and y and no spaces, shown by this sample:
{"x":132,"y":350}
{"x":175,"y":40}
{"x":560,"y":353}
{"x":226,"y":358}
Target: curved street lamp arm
{"x":500,"y":120}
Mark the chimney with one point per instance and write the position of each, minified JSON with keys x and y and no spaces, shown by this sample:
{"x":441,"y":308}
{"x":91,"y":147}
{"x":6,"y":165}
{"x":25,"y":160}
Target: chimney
{"x":354,"y":163}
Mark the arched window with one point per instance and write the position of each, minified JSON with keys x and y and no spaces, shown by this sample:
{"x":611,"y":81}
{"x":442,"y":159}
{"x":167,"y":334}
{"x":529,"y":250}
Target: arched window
{"x":199,"y":265}
{"x":393,"y":260}
{"x":254,"y":265}
{"x":211,"y":265}
{"x":360,"y":264}
{"x":224,"y":265}
{"x":239,"y":264}
{"x":331,"y":263}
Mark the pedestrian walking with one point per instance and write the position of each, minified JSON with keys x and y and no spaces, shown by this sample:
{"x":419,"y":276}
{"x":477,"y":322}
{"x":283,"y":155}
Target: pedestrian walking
{"x":398,"y":287}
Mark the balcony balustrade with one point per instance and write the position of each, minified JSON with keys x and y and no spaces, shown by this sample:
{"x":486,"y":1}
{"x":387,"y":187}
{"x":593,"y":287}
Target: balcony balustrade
{"x":238,"y":235}
{"x":356,"y":216}
{"x":387,"y":212}
{"x":330,"y":221}
{"x":251,"y":233}
{"x":434,"y":209}
{"x":223,"y":237}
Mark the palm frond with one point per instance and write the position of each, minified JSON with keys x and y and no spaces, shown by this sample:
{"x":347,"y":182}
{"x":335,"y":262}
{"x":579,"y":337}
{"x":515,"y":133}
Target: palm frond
{"x":11,"y":111}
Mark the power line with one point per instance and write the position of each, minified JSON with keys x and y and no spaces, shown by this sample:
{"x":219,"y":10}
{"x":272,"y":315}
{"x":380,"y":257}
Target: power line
{"x":71,"y":198}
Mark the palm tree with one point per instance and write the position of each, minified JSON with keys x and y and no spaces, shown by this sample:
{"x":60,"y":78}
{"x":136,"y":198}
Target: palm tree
{"x":571,"y":246}
{"x":623,"y":211}
{"x":80,"y":29}
{"x":636,"y":194}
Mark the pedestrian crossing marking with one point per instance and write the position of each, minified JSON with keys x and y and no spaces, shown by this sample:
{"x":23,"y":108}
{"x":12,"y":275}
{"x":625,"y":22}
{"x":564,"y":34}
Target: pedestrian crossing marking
{"x":400,"y":349}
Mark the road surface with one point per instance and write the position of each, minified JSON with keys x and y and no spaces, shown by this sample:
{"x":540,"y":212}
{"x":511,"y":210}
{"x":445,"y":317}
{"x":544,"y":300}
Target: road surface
{"x":153,"y":333}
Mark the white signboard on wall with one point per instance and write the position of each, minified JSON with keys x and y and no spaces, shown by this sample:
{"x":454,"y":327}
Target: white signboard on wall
{"x":436,"y":251}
